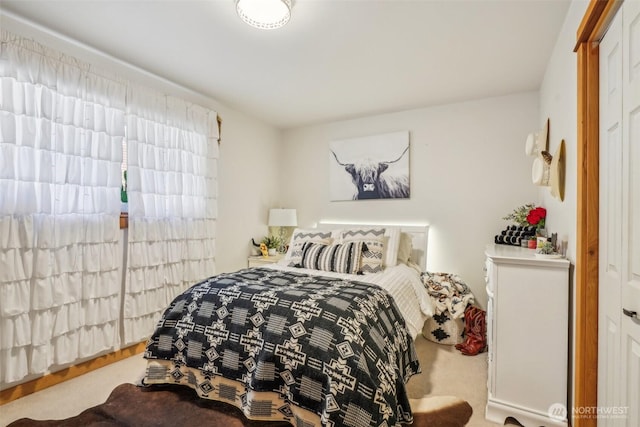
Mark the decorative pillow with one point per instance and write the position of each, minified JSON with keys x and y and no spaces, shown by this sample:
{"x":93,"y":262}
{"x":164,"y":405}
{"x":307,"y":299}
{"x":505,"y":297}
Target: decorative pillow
{"x":362,"y":234}
{"x":373,"y":255}
{"x":405,"y":248}
{"x":341,"y":258}
{"x":299,"y":238}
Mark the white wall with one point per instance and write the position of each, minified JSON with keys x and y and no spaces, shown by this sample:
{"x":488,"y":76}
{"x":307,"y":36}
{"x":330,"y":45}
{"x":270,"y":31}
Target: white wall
{"x":247,"y":185}
{"x":468,"y":169}
{"x":558,"y":102}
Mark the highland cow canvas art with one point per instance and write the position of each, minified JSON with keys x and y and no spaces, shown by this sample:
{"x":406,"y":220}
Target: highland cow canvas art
{"x":372,"y":167}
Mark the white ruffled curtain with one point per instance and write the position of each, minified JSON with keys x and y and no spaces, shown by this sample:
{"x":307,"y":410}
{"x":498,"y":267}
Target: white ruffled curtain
{"x":171,"y":188}
{"x":61,"y":133}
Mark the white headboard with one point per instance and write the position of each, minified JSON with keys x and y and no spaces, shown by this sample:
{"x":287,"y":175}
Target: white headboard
{"x":419,"y":237}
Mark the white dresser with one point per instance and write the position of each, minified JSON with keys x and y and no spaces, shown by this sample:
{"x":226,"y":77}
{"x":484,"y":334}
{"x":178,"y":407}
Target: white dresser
{"x":528,"y":336}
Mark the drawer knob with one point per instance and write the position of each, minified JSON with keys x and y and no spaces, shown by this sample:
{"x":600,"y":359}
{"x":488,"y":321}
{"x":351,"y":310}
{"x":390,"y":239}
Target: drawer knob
{"x":632,"y":314}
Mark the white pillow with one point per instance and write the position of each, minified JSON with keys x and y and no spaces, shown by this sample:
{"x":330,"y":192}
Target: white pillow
{"x":405,"y":248}
{"x":392,"y":246}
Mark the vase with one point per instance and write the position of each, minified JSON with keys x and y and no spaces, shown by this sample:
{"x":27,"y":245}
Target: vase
{"x":272,"y":252}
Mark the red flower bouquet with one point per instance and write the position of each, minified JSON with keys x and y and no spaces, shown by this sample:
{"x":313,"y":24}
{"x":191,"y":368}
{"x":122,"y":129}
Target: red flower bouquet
{"x":530,"y":220}
{"x":528,"y":215}
{"x":537,"y":217}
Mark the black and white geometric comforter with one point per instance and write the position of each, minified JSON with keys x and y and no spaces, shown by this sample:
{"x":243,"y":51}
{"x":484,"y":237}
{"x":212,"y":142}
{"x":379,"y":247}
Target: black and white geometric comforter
{"x":283,"y":345}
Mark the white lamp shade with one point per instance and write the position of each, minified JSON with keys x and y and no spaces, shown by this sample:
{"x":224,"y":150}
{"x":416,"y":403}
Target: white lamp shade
{"x":283,"y":218}
{"x":264,"y":14}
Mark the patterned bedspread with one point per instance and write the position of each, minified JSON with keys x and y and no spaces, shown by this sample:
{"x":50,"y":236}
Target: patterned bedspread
{"x":282,"y":345}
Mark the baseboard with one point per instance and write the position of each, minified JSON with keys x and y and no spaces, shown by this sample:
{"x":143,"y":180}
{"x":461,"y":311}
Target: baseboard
{"x":54,"y":378}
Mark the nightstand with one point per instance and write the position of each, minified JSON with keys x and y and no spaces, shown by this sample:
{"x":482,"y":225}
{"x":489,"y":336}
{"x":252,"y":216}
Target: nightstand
{"x":259,"y":260}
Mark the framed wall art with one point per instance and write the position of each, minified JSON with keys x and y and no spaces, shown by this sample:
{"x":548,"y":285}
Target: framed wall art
{"x":371,"y":167}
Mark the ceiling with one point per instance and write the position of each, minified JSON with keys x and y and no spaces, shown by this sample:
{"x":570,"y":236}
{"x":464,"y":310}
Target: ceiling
{"x":334,"y":60}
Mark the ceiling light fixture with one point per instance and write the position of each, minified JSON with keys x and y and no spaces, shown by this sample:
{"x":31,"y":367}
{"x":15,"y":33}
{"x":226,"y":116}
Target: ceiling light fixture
{"x":264,"y":14}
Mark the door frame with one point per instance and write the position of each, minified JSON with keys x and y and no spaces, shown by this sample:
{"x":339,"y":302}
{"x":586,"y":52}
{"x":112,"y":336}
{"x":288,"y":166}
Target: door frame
{"x":594,"y":24}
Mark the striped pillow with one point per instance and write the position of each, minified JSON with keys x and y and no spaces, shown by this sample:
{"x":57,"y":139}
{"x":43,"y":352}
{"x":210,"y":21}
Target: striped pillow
{"x":299,"y":238}
{"x":343,"y":258}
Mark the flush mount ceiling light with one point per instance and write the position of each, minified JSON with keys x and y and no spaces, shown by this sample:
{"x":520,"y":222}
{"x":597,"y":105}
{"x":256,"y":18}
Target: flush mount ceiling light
{"x":264,"y":14}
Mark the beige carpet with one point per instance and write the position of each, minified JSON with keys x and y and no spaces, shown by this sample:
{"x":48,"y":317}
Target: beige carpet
{"x":446,"y":372}
{"x":169,"y":406}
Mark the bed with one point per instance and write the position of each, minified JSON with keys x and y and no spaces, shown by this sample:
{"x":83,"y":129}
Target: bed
{"x":305,"y":340}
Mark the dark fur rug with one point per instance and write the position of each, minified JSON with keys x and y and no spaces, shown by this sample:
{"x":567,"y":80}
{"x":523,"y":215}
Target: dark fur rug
{"x":158,"y":406}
